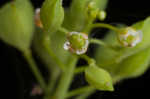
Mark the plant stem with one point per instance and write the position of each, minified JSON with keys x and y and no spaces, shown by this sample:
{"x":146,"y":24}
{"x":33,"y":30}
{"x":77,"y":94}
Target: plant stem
{"x":53,"y":78}
{"x":97,"y":41}
{"x":88,"y":59}
{"x":104,"y":25}
{"x":47,"y":44}
{"x":64,"y":30}
{"x":28,"y":56}
{"x":80,"y":69}
{"x":85,"y":95}
{"x":79,"y":91}
{"x":66,"y":79}
{"x":87,"y":28}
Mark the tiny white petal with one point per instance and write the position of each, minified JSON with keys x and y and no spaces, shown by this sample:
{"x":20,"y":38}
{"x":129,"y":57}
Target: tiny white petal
{"x":67,"y":45}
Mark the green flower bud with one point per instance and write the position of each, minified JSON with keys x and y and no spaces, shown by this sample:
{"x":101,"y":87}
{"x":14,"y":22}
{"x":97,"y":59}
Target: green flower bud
{"x":79,"y":13}
{"x":77,"y":42}
{"x":102,"y":15}
{"x":52,"y":15}
{"x":129,"y":37}
{"x":94,"y":10}
{"x":17,"y":24}
{"x":99,"y":78}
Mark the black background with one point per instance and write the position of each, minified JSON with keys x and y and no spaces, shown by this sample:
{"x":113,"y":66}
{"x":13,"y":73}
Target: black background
{"x":17,"y":80}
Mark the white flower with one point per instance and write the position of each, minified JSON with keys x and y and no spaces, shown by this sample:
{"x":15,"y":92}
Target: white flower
{"x":77,"y":43}
{"x":129,"y":37}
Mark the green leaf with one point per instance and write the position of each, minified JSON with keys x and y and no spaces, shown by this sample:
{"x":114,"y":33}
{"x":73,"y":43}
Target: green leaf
{"x":134,"y":65}
{"x":99,"y":78}
{"x":16,"y":24}
{"x":126,"y":62}
{"x":52,"y":15}
{"x":106,"y":57}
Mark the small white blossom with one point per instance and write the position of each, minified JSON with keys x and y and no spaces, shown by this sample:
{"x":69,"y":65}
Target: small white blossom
{"x":130,"y":37}
{"x":72,"y":48}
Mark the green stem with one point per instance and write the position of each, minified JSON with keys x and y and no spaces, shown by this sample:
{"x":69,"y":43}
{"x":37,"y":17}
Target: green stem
{"x":79,"y":91}
{"x":99,"y":42}
{"x":66,"y":79}
{"x":64,"y":30}
{"x":104,"y":25}
{"x":96,"y":41}
{"x":87,"y":28}
{"x":85,"y":95}
{"x":53,"y":78}
{"x":88,"y":59}
{"x":47,"y":44}
{"x":28,"y":56}
{"x":80,"y":69}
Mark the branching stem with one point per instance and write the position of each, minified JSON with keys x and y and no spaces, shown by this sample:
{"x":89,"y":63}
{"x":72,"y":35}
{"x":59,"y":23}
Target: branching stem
{"x":104,"y":25}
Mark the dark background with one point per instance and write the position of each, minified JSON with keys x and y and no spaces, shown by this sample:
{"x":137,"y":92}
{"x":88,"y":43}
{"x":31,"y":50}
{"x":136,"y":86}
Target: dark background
{"x":17,"y":80}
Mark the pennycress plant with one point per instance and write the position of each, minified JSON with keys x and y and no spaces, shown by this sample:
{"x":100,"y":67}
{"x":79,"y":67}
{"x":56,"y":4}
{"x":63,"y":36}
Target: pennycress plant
{"x":60,"y":37}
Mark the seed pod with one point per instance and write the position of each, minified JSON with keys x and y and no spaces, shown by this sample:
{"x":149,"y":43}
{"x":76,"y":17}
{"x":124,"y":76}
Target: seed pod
{"x":129,"y":37}
{"x":99,"y":78}
{"x":77,"y":43}
{"x":52,"y":15}
{"x":17,"y":24}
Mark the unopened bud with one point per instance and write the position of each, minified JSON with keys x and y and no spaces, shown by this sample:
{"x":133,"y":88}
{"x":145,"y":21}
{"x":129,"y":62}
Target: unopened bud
{"x":101,"y":15}
{"x":92,"y":11}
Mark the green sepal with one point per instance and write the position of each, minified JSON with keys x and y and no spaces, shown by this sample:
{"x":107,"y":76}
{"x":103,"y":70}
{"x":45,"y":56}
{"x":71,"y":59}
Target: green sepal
{"x":99,"y":78}
{"x":52,"y":15}
{"x":17,"y":24}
